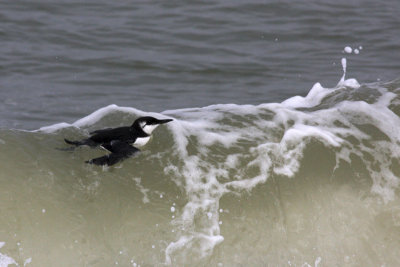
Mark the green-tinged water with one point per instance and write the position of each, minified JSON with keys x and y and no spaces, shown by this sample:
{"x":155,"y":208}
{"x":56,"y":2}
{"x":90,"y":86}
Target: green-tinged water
{"x":284,"y":176}
{"x":311,"y":181}
{"x":81,"y":216}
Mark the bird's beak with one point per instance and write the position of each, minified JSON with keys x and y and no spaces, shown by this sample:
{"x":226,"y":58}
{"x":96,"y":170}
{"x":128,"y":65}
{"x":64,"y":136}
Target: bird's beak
{"x":164,"y":121}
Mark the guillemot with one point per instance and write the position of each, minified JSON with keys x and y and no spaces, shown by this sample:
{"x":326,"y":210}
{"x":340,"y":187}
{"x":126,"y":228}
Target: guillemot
{"x":120,"y":141}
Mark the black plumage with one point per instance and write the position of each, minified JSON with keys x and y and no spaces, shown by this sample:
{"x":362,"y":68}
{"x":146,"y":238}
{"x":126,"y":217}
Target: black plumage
{"x":119,"y":151}
{"x":119,"y":140}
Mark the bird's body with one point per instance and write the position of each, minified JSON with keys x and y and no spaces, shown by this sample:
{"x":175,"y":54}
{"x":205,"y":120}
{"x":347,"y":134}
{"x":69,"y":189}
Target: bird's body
{"x":119,"y":140}
{"x":119,"y":151}
{"x":107,"y":135}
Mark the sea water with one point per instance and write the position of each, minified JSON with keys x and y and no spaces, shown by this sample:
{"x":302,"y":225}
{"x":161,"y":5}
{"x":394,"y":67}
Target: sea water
{"x":274,"y":157}
{"x":310,"y":181}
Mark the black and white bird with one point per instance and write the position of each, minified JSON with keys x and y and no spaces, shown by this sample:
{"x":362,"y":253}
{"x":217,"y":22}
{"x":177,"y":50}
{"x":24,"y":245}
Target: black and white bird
{"x":122,"y":142}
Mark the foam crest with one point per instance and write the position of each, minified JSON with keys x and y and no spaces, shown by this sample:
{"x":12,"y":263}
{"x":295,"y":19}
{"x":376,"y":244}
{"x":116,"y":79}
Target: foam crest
{"x":226,"y":149}
{"x":95,"y":117}
{"x":313,"y":98}
{"x":271,"y":139}
{"x":353,"y":83}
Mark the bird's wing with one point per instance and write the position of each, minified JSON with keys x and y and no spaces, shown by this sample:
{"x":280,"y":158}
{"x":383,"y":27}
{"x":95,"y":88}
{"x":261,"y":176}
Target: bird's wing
{"x":118,"y":146}
{"x":108,"y":135}
{"x":120,"y":151}
{"x":100,"y":131}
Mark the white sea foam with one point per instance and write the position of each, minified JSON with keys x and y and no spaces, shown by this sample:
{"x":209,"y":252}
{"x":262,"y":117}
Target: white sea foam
{"x":265,"y":140}
{"x":142,"y":189}
{"x":6,"y":260}
{"x":97,"y":116}
{"x":316,"y":263}
{"x":276,"y":153}
{"x":313,"y":98}
{"x":27,"y":261}
{"x":344,"y":66}
{"x":348,"y":49}
{"x":274,"y":146}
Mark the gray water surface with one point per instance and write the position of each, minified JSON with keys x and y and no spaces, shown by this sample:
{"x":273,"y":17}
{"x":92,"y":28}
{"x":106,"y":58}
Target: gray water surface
{"x":61,"y":60}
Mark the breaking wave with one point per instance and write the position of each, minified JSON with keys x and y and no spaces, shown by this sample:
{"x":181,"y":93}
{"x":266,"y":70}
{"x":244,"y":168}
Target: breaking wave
{"x":218,"y":154}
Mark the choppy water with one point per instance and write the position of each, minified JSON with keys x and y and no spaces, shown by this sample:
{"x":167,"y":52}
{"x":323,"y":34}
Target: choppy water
{"x":275,"y":179}
{"x":60,"y":61}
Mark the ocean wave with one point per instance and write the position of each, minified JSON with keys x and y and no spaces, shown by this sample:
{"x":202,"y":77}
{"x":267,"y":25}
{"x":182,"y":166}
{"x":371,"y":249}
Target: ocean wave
{"x":224,"y":150}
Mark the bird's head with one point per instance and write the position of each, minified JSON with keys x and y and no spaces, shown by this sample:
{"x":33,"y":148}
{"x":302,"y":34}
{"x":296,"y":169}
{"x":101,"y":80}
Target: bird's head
{"x":148,"y":124}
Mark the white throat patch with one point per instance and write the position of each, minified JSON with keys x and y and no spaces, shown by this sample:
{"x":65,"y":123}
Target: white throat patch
{"x":149,"y":128}
{"x":141,"y":141}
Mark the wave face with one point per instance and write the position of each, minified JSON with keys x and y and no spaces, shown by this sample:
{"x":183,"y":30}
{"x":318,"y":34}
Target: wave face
{"x":312,"y":180}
